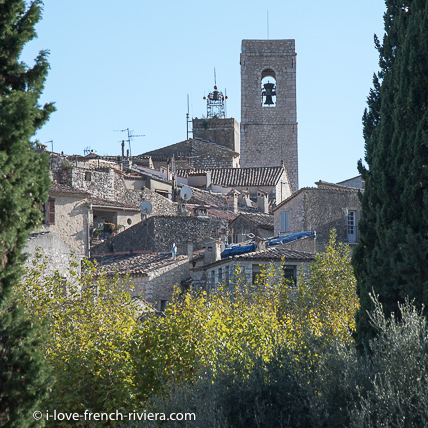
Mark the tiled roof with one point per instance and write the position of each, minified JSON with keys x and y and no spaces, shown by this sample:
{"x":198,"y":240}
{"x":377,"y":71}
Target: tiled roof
{"x":134,"y":263}
{"x":260,"y":219}
{"x":182,"y":149}
{"x":100,"y":202}
{"x":243,"y":177}
{"x":218,"y":213}
{"x":267,"y":255}
{"x":203,"y":197}
{"x":277,"y":253}
{"x":64,"y":188}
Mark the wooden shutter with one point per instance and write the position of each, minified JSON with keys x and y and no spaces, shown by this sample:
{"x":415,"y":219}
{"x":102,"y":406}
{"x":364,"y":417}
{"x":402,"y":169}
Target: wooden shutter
{"x":51,"y":211}
{"x":284,"y":221}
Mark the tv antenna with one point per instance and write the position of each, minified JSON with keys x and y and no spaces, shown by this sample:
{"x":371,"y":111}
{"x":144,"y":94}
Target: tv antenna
{"x":188,"y":120}
{"x":50,"y":141}
{"x":129,"y":139}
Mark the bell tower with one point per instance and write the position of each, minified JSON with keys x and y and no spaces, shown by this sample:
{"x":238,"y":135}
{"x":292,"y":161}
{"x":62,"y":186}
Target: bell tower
{"x":268,"y":106}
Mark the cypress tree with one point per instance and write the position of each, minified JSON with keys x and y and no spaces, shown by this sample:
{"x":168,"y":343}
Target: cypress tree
{"x":24,"y":185}
{"x":391,"y":258}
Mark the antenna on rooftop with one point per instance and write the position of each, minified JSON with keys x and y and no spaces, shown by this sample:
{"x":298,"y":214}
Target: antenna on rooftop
{"x":130,"y":137}
{"x":188,"y":119}
{"x":50,"y":141}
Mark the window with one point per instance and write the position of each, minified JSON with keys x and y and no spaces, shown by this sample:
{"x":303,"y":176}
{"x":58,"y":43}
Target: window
{"x":50,"y":217}
{"x":285,"y":226}
{"x":162,"y":305}
{"x":257,"y":269}
{"x":220,"y":275}
{"x":352,"y":226}
{"x":88,"y":176}
{"x":290,"y":273}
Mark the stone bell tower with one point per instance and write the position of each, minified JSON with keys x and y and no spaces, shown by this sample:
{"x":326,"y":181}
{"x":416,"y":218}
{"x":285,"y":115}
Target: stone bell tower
{"x":268,"y":106}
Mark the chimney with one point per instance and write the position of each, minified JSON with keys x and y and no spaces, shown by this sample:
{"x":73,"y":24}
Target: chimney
{"x":262,"y":201}
{"x":212,"y":252}
{"x":232,"y":200}
{"x":190,"y":249}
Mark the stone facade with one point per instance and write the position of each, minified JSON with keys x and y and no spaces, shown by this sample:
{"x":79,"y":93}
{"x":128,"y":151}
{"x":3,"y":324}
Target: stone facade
{"x":159,"y":233}
{"x":57,"y":252}
{"x":269,"y":133}
{"x":224,"y":132}
{"x":258,"y":224}
{"x":153,"y":276}
{"x":251,"y":264}
{"x":321,"y":210}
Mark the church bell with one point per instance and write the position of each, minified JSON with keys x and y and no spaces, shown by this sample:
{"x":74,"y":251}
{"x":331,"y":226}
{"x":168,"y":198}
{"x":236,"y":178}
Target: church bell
{"x":269,"y":92}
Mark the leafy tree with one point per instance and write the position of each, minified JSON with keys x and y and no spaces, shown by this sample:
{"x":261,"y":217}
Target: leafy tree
{"x":24,"y":183}
{"x":324,"y":299}
{"x":392,"y":256}
{"x":91,"y":321}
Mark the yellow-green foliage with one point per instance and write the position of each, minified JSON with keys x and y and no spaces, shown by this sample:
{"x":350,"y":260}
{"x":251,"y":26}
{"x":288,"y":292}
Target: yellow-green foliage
{"x":325,"y":300}
{"x":90,"y":323}
{"x":198,"y":328}
{"x":105,"y":358}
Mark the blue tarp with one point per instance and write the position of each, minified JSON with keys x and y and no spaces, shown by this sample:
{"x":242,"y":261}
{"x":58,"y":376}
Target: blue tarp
{"x":284,"y":239}
{"x":236,"y":249}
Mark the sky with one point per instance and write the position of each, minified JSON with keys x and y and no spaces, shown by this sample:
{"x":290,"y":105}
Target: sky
{"x":132,"y":64}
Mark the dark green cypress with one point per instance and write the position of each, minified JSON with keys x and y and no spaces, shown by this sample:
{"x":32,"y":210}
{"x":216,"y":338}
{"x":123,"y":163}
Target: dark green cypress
{"x":391,"y":258}
{"x":24,"y":185}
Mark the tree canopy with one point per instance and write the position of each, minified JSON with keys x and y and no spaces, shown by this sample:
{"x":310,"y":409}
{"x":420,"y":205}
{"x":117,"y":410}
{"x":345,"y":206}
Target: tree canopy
{"x":24,"y":185}
{"x":391,"y":259}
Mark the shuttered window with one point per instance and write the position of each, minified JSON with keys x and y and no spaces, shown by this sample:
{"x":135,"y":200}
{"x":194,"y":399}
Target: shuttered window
{"x":284,"y":222}
{"x":51,"y":211}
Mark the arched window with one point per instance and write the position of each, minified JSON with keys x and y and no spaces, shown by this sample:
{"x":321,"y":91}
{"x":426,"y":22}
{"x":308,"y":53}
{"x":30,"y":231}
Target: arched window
{"x":268,"y":88}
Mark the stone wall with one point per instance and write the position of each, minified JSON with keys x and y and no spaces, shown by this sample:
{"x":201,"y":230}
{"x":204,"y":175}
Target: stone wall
{"x":320,"y":210}
{"x":269,"y":134}
{"x":224,"y":132}
{"x":296,"y":211}
{"x":71,"y":222}
{"x":159,"y":284}
{"x":159,"y":233}
{"x":58,"y":253}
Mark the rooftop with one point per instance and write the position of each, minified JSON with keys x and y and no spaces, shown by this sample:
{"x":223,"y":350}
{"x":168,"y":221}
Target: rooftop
{"x":132,"y":263}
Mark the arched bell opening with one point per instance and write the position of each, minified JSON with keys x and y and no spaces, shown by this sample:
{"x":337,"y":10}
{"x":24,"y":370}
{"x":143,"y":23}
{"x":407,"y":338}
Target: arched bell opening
{"x":268,"y":88}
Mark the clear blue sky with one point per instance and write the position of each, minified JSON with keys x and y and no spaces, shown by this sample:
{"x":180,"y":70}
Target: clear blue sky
{"x":131,"y":64}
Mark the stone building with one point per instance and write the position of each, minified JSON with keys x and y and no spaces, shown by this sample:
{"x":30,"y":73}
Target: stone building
{"x":222,"y":270}
{"x":160,"y":233}
{"x":273,"y":181}
{"x":321,"y":209}
{"x":249,"y":225}
{"x":153,"y":275}
{"x":268,"y":106}
{"x":65,"y":229}
{"x":223,"y":132}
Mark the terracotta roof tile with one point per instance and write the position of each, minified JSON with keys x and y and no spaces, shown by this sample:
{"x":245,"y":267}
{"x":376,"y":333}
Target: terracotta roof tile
{"x":278,"y":253}
{"x":114,"y":204}
{"x":243,"y":177}
{"x":134,"y":263}
{"x":64,"y":188}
